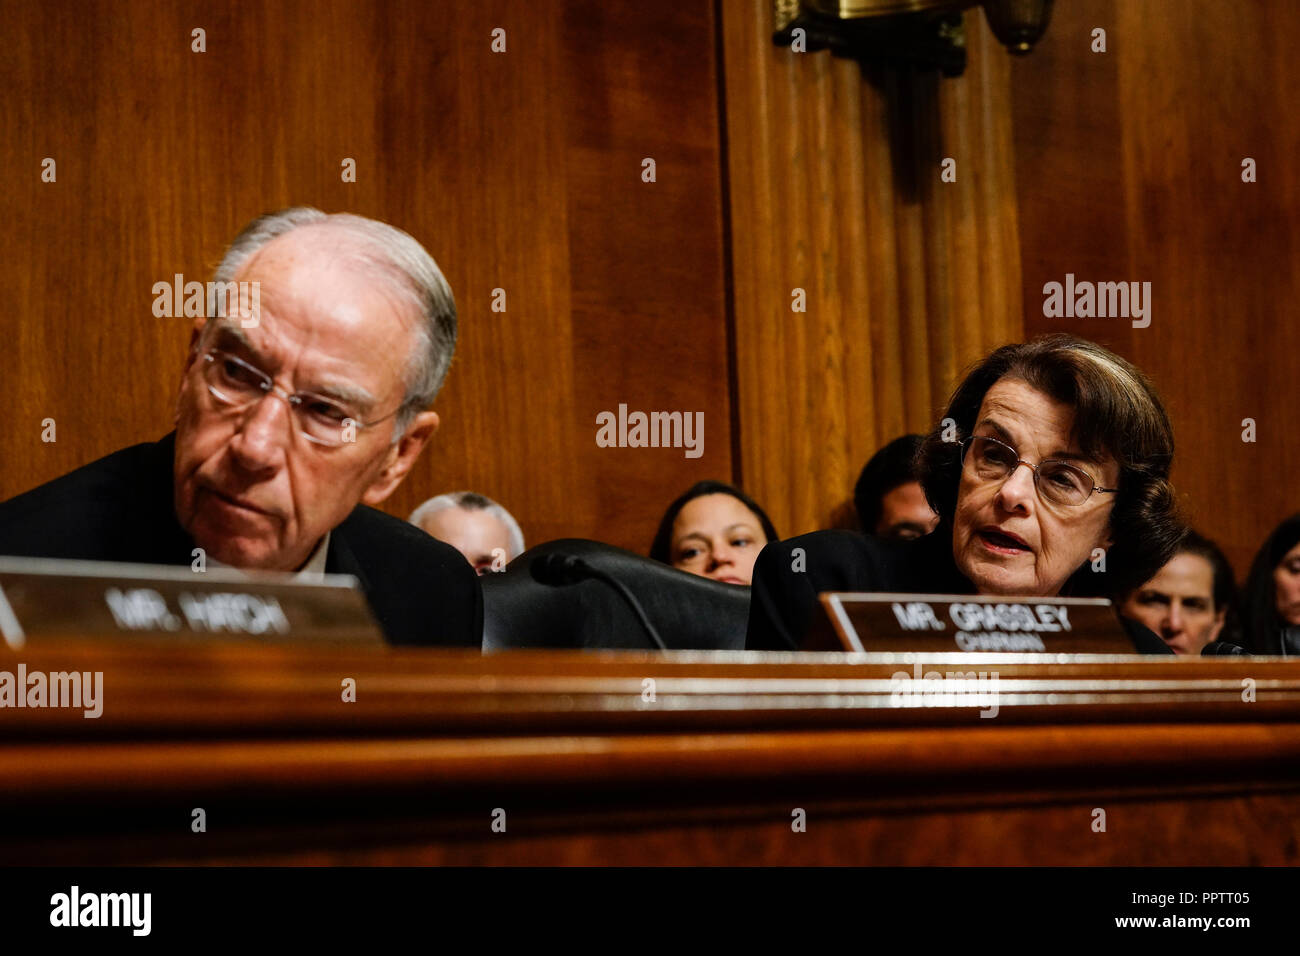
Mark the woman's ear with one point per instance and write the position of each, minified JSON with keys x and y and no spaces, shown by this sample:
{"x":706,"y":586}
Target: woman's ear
{"x":1108,"y":533}
{"x":1105,"y":542}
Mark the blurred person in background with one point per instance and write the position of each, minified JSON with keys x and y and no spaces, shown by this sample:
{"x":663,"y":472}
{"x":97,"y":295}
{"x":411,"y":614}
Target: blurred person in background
{"x":1189,"y":602}
{"x":888,"y":496}
{"x":484,"y":532}
{"x":1271,"y":603}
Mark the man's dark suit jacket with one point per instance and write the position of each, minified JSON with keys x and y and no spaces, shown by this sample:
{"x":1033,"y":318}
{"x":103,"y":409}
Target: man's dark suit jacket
{"x":784,"y":601}
{"x":120,"y":508}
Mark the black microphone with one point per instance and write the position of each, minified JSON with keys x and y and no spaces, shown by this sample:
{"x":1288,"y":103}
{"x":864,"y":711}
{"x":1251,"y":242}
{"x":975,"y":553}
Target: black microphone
{"x":560,"y":569}
{"x":1224,"y":649}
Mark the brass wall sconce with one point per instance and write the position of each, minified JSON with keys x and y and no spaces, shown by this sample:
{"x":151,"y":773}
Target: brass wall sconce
{"x":919,"y":34}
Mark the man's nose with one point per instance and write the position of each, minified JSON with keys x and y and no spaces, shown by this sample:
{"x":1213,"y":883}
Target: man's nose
{"x":261,"y":434}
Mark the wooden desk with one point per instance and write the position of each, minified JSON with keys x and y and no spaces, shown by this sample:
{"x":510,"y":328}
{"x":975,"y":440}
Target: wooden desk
{"x":589,"y":771}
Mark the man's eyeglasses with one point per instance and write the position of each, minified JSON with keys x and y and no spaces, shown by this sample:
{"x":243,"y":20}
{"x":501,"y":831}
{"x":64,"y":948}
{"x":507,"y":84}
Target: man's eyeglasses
{"x":235,"y":383}
{"x":1058,"y":482}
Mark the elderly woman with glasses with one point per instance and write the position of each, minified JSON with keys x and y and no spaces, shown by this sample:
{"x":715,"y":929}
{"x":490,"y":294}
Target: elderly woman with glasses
{"x":1049,"y":471}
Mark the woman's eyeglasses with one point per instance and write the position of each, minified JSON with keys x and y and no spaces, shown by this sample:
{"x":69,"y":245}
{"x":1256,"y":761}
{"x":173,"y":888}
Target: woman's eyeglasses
{"x":1058,"y":482}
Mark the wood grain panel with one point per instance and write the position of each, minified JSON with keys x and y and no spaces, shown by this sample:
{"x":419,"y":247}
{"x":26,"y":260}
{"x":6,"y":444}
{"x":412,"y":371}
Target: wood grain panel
{"x":249,"y":689}
{"x":834,"y":188}
{"x":895,"y":761}
{"x":518,"y":171}
{"x":1246,"y":826}
{"x":590,"y":773}
{"x":1129,"y":168}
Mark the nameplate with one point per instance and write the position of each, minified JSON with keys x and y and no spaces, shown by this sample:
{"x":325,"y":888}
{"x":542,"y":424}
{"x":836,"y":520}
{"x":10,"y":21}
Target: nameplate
{"x":45,"y":599}
{"x":947,"y":623}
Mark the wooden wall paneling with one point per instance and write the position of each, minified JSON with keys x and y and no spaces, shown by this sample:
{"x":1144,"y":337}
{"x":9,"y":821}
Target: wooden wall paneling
{"x":497,"y":168}
{"x":915,"y":148}
{"x":1129,"y":168}
{"x":649,"y":308}
{"x":834,"y":188}
{"x":592,"y":775}
{"x":886,"y":255}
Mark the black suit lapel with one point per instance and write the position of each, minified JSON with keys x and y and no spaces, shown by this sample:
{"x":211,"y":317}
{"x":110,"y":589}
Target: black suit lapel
{"x":341,"y":560}
{"x":162,"y":539}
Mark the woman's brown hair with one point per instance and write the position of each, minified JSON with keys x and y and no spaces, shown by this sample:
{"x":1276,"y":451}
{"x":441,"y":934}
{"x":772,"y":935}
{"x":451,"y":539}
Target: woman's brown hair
{"x":1117,"y":414}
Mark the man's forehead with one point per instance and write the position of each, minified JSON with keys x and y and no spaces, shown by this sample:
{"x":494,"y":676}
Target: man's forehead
{"x":268,"y":340}
{"x":460,"y":515}
{"x":322,"y":241}
{"x":344,"y":313}
{"x":905,"y":492}
{"x":329,"y":274}
{"x":478,"y":526}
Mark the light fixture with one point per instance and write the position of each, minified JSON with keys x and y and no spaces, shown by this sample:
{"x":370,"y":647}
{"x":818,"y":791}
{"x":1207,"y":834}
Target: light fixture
{"x":924,"y":34}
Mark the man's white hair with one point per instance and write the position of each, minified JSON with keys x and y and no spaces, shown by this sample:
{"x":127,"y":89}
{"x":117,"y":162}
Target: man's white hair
{"x":473,"y":501}
{"x":401,"y":261}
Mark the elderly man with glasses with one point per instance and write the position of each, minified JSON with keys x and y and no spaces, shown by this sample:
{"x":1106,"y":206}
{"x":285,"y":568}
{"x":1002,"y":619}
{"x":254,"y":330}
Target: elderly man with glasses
{"x":292,"y":422}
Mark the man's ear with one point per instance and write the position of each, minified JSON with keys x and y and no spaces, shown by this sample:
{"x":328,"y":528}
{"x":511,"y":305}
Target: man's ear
{"x":196,"y":334}
{"x":400,"y":458}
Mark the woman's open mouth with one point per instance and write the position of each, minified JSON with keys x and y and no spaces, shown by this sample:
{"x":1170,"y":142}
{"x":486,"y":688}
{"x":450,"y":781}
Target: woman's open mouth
{"x":1001,"y":542}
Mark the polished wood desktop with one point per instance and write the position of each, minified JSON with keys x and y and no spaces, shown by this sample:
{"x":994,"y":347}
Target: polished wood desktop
{"x":632,"y":758}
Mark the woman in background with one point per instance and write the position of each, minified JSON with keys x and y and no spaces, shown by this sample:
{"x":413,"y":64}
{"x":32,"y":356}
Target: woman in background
{"x":1192,"y":601}
{"x":1271,"y":610}
{"x":713,"y":530}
